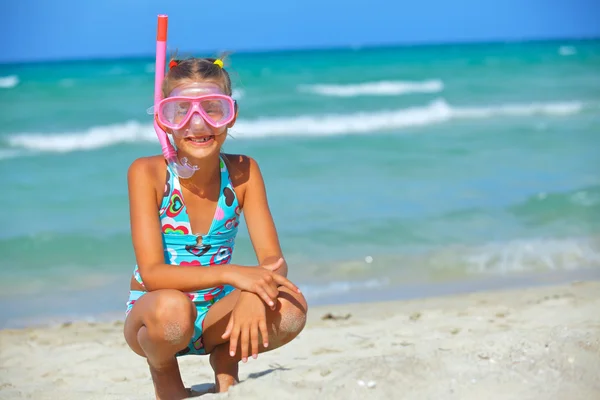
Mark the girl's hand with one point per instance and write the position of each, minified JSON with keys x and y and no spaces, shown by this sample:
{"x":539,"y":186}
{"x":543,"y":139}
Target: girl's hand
{"x":262,"y":280}
{"x":248,"y":318}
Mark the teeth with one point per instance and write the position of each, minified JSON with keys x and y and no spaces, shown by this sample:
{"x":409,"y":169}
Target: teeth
{"x":201,"y":140}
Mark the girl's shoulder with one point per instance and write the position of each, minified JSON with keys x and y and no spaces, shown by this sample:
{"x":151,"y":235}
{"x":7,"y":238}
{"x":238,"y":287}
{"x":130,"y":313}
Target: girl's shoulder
{"x":239,"y":167}
{"x":243,"y":172}
{"x":152,"y":169}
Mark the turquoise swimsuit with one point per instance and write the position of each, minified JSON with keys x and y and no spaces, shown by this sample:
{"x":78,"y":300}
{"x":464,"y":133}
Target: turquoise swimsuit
{"x":184,"y":248}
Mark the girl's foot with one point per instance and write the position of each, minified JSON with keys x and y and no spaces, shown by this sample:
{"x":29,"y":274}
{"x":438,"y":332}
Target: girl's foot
{"x":225,"y":367}
{"x":167,"y":382}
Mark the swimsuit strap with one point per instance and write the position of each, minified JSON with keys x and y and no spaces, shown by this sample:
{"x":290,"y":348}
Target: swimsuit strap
{"x":168,"y":189}
{"x":226,"y":217}
{"x":225,"y":177}
{"x":173,"y":213}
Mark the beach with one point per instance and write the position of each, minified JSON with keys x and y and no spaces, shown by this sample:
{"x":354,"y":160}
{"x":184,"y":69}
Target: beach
{"x":528,"y":343}
{"x":438,"y":206}
{"x":439,"y":166}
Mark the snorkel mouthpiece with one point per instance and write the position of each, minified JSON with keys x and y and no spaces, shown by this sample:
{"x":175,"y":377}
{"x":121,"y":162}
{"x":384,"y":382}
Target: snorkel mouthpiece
{"x":181,"y":168}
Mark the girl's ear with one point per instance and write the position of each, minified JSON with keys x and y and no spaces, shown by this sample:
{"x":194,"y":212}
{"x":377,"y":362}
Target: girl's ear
{"x":229,"y":125}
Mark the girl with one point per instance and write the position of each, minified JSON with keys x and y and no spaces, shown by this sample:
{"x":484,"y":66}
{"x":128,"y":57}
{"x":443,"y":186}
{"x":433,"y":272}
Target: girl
{"x":186,"y":297}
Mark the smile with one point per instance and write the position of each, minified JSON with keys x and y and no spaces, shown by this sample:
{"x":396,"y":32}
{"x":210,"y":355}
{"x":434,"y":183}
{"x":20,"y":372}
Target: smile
{"x":200,"y":141}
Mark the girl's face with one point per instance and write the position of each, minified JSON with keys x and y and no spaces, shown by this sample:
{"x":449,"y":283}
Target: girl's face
{"x":198,"y":138}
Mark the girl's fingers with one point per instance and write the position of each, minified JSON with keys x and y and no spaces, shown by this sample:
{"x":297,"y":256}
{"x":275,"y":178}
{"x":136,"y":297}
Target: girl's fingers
{"x":254,"y":340}
{"x":282,"y":280}
{"x":272,"y":291}
{"x":245,"y":342}
{"x":229,"y":328}
{"x":262,"y":326}
{"x":233,"y":340}
{"x":265,"y":297}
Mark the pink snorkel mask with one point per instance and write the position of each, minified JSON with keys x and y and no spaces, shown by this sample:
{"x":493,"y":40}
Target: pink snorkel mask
{"x":180,"y":167}
{"x":195,"y":99}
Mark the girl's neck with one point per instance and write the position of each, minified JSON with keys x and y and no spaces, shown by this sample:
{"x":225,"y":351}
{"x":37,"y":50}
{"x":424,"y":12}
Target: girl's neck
{"x":208,"y":173}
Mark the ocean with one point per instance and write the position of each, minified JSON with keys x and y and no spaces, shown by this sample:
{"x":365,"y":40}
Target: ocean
{"x":392,"y":172}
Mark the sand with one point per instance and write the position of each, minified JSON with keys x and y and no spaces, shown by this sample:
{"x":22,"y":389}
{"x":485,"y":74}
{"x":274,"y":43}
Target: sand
{"x":537,"y":343}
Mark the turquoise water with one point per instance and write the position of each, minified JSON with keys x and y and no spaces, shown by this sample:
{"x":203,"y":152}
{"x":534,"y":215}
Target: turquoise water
{"x":383,"y":166}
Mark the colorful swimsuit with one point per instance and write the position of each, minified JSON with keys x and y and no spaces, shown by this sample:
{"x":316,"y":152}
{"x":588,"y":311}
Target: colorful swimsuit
{"x":182,"y":247}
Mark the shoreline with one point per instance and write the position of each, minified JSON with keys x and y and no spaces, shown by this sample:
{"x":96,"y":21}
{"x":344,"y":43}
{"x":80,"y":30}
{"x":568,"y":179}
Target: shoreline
{"x":91,"y":298}
{"x":526,"y":343}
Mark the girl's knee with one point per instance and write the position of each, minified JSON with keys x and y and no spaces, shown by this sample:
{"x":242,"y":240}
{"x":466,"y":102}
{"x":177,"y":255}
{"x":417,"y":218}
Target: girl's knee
{"x":293,"y":310}
{"x":171,"y":318}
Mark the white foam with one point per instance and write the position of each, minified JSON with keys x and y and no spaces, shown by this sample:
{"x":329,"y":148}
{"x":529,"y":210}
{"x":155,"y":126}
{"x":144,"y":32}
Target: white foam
{"x":533,"y":254}
{"x":93,"y":138}
{"x":381,"y":88}
{"x":342,"y":123}
{"x":519,"y":110}
{"x":308,"y":125}
{"x":585,"y":198}
{"x":316,"y":291}
{"x":567,"y":50}
{"x":434,"y":113}
{"x":8,"y":82}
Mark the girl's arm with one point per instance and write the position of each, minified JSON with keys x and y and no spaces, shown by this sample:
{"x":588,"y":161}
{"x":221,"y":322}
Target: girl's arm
{"x":149,"y":253}
{"x":259,"y":220}
{"x":147,"y":238}
{"x":249,"y":315}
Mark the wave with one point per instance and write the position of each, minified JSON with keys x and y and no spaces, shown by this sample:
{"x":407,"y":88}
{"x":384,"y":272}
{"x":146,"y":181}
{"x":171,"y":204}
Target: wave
{"x":381,"y":88}
{"x":560,"y":203}
{"x":93,"y":138}
{"x":308,"y":125}
{"x":338,"y":287}
{"x":496,"y":258}
{"x":519,"y":110}
{"x":8,"y":82}
{"x":567,"y":50}
{"x":533,"y":255}
{"x":436,"y":112}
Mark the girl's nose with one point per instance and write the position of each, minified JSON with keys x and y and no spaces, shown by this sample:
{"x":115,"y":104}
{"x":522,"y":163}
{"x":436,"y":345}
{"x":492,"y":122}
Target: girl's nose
{"x":197,"y":122}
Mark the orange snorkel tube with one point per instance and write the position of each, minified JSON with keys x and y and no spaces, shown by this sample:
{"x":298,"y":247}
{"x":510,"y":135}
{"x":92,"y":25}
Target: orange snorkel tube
{"x":182,"y":169}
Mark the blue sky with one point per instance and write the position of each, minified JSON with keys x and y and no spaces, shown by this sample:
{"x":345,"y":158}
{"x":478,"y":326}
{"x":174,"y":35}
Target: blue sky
{"x":70,"y":29}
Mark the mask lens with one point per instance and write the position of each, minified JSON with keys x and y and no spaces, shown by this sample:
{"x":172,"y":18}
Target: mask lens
{"x":174,"y":112}
{"x":217,"y":110}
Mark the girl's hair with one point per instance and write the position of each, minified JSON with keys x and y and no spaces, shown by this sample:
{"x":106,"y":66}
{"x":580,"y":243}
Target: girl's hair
{"x":193,"y":69}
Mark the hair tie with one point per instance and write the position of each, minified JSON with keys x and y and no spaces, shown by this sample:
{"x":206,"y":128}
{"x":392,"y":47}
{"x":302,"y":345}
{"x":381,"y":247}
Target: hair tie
{"x":173,"y":63}
{"x":218,"y":62}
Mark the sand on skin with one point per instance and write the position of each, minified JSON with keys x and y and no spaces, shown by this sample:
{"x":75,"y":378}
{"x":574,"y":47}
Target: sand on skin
{"x":538,"y":343}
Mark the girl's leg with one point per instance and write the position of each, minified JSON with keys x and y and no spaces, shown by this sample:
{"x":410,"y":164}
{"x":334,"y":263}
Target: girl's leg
{"x":160,"y":324}
{"x":284,"y":324}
